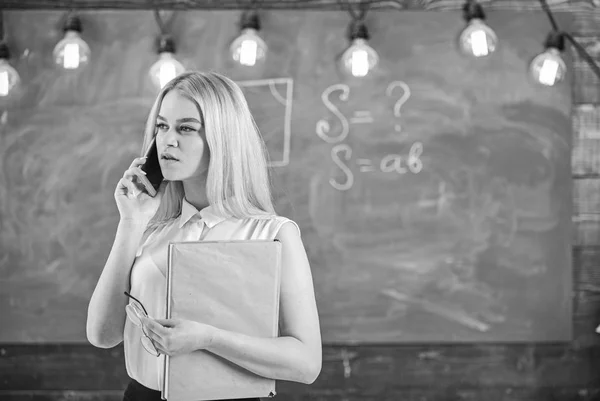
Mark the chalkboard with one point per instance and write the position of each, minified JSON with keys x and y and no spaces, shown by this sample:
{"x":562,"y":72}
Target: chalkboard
{"x":434,"y":197}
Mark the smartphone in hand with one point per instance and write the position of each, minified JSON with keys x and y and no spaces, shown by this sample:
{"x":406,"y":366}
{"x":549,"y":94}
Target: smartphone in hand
{"x":151,"y":167}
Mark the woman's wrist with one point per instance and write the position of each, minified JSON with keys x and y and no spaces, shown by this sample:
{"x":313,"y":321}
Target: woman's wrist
{"x":205,"y":336}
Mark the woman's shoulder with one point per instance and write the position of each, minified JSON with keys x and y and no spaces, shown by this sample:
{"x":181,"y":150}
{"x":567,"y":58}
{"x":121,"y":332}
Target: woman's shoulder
{"x":269,"y":222}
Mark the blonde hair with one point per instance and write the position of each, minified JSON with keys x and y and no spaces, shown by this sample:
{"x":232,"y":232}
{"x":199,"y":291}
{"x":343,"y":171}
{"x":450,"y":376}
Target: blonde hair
{"x":238,"y":183}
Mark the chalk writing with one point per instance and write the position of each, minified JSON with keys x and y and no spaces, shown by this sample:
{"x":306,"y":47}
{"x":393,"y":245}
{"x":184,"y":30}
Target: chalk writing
{"x":400,"y":102}
{"x":276,"y":86}
{"x":391,"y":163}
{"x":323,"y":126}
{"x":342,"y":153}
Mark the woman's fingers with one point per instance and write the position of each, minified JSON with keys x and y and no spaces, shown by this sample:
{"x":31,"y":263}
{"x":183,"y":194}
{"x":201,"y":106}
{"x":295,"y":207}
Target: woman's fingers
{"x":138,"y":161}
{"x":128,"y":188}
{"x":138,"y":173}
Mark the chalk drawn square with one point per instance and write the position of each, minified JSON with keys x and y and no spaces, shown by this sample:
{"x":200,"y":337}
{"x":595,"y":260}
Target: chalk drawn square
{"x":270,"y":102}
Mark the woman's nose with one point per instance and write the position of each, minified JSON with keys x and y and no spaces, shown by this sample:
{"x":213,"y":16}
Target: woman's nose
{"x":170,"y":137}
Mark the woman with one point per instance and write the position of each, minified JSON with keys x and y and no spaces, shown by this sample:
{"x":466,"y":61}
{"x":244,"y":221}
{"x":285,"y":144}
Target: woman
{"x":215,"y":186}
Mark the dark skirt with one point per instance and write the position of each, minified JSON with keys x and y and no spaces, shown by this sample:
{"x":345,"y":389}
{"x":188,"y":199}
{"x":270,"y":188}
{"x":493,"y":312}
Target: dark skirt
{"x":138,"y":392}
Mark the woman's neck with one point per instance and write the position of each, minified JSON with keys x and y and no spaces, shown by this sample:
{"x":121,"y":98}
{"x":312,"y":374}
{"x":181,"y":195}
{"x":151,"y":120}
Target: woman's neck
{"x":195,"y":193}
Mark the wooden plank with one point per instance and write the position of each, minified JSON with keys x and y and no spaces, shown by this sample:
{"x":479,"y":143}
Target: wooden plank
{"x":585,"y":196}
{"x":80,"y":368}
{"x":50,"y":395}
{"x":61,"y":367}
{"x":586,"y":212}
{"x":586,"y":140}
{"x":586,"y":84}
{"x":586,"y":230}
{"x":560,"y":5}
{"x":291,"y":392}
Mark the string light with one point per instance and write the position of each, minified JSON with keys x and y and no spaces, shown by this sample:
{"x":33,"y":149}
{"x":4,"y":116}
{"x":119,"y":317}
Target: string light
{"x":249,"y":48}
{"x":167,"y":66}
{"x":9,"y":77}
{"x":477,"y":39}
{"x":549,"y":68}
{"x":359,"y":58}
{"x":72,"y":52}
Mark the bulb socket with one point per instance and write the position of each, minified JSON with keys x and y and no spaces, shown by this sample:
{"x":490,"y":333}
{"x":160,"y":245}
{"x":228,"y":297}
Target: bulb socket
{"x":250,"y":20}
{"x":4,"y":51}
{"x":73,"y":23}
{"x":165,"y":44}
{"x":358,"y":30}
{"x":473,"y":10}
{"x":555,"y":39}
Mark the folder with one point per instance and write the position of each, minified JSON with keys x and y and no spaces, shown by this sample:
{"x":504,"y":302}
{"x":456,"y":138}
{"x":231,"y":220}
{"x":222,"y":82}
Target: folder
{"x":232,"y":285}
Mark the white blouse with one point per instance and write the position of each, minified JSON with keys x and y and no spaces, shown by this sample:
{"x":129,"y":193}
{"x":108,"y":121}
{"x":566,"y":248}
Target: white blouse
{"x":148,"y":274}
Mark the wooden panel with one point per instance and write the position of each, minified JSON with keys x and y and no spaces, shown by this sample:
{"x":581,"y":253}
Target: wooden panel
{"x":81,"y":368}
{"x":586,"y":87}
{"x":562,"y":5}
{"x":585,"y":199}
{"x":586,"y":141}
{"x":291,"y":393}
{"x":367,"y":370}
{"x":586,"y":211}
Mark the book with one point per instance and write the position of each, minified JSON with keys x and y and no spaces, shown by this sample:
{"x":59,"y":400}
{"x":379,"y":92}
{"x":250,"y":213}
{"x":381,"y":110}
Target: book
{"x":232,"y":285}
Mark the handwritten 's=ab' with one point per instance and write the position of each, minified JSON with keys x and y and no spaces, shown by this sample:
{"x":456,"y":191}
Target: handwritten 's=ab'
{"x":390,"y":163}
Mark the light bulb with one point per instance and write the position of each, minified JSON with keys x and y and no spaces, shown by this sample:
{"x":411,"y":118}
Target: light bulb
{"x":478,"y":39}
{"x":165,"y":69}
{"x":9,"y":77}
{"x":72,"y":52}
{"x":248,"y":48}
{"x":360,"y":58}
{"x":548,"y":68}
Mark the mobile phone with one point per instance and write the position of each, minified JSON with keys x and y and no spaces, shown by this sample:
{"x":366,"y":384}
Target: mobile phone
{"x":151,"y":167}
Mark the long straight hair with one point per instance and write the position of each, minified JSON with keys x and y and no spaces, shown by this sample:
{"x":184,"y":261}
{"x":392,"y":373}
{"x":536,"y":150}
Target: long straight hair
{"x":238,"y":183}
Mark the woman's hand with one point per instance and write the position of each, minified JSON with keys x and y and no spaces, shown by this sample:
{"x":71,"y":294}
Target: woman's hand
{"x":178,"y":336}
{"x":132,"y":201}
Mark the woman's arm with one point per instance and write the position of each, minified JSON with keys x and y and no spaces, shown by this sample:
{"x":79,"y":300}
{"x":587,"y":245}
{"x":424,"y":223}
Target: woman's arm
{"x":294,"y":356}
{"x":106,"y":311}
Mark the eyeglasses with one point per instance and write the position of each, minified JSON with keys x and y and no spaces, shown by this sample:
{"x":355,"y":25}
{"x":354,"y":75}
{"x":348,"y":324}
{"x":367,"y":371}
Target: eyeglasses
{"x":135,"y":312}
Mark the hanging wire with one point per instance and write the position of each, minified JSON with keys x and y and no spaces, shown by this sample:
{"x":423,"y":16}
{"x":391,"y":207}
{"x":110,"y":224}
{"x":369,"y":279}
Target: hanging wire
{"x":1,"y":25}
{"x":159,"y":22}
{"x":364,"y":8}
{"x":253,"y":5}
{"x":583,"y":53}
{"x":348,"y":8}
{"x":546,"y":8}
{"x":567,"y":35}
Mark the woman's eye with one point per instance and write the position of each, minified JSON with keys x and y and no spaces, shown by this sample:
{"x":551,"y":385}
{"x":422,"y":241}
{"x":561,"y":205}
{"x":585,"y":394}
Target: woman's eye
{"x":185,"y":128}
{"x":161,"y":126}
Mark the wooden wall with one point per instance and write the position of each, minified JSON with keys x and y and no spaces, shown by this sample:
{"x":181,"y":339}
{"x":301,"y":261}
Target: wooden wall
{"x":428,"y":372}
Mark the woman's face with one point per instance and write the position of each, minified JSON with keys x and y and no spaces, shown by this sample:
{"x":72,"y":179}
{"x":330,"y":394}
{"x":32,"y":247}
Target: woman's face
{"x":180,"y":135}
